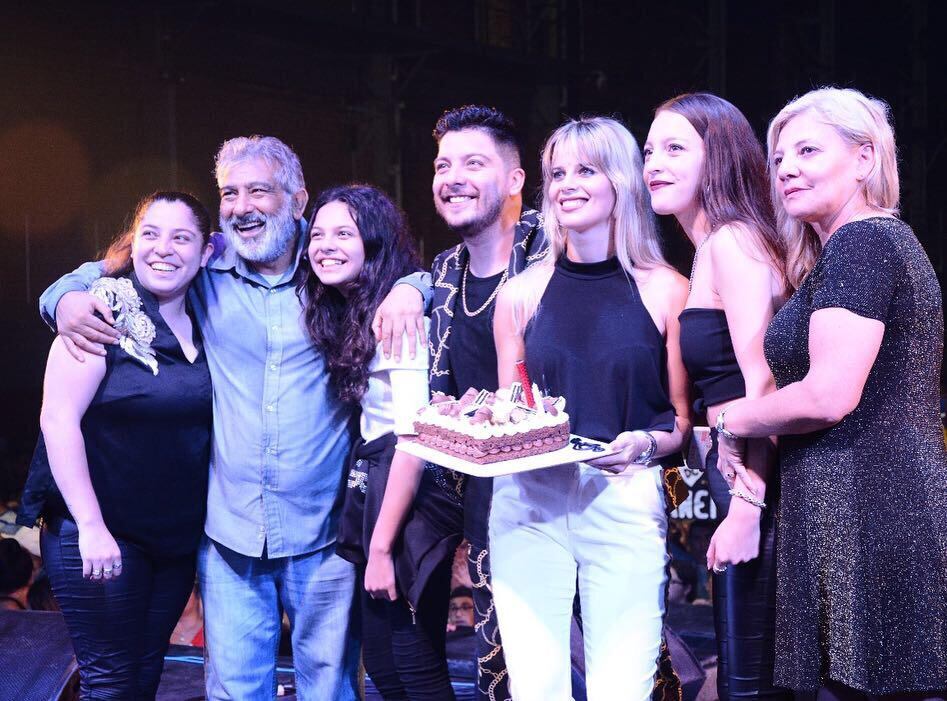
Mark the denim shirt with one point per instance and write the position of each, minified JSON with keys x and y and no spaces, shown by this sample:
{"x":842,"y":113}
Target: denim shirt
{"x":280,"y":437}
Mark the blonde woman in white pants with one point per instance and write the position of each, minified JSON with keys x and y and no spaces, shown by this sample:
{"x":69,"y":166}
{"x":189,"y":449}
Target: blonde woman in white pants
{"x":596,"y":322}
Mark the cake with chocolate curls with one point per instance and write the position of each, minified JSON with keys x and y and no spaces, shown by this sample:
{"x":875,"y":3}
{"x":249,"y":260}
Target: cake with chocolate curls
{"x":486,"y":427}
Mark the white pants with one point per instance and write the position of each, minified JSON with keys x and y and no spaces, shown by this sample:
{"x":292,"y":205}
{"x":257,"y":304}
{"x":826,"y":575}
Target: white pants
{"x":552,"y":527}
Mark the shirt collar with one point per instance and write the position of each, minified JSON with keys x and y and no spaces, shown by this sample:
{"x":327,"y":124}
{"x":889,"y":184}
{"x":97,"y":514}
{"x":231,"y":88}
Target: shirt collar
{"x":530,"y":221}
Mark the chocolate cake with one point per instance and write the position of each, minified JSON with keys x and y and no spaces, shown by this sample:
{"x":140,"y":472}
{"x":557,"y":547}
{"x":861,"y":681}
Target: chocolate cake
{"x":486,"y":427}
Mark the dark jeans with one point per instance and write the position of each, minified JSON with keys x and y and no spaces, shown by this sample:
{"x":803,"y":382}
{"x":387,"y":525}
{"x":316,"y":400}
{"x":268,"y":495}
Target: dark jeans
{"x":119,"y":628}
{"x":404,"y":654}
{"x":745,"y":605}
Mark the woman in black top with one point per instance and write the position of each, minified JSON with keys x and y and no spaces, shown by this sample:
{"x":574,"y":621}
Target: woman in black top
{"x":704,"y":165}
{"x":127,"y":438}
{"x":596,"y":323}
{"x":856,"y":353}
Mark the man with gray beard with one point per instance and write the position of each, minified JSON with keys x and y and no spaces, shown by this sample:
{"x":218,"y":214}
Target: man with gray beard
{"x":280,"y":441}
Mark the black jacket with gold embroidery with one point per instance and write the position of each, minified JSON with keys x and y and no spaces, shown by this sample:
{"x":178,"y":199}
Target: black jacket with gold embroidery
{"x":529,"y":244}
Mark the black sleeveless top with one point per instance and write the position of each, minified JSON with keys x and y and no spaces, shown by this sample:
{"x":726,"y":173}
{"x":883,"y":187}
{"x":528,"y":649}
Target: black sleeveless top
{"x":593,"y":342}
{"x":147,"y":441}
{"x":707,"y":352}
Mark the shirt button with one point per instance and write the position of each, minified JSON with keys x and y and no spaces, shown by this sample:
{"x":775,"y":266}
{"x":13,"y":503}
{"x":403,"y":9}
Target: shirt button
{"x":270,"y":407}
{"x":271,"y":451}
{"x":275,"y":327}
{"x":273,"y":367}
{"x":272,"y":290}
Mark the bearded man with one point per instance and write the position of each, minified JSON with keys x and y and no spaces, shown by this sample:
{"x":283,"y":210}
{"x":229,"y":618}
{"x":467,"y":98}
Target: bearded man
{"x":280,"y":439}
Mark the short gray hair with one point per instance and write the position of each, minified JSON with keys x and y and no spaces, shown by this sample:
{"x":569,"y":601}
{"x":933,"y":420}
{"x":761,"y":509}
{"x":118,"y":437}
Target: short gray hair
{"x":280,"y":157}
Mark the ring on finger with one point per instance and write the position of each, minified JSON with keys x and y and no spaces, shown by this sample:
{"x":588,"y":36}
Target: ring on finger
{"x":117,"y":565}
{"x":719,"y":569}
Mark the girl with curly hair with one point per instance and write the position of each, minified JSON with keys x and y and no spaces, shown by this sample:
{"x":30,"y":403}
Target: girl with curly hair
{"x":401,"y":519}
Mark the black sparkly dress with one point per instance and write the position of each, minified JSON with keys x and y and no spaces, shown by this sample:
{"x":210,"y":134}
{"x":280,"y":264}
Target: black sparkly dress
{"x":862,"y":539}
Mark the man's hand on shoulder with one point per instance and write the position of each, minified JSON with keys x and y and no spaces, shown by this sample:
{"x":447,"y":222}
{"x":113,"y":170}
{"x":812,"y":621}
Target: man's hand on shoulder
{"x":401,"y":312}
{"x":80,"y":328}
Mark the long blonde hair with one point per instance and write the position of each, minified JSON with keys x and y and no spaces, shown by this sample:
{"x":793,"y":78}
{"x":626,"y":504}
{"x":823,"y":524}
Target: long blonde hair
{"x":858,"y":119}
{"x":605,"y":144}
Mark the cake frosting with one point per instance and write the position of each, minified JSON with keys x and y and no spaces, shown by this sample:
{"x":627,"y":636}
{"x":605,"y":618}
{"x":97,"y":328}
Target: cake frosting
{"x":485,"y":427}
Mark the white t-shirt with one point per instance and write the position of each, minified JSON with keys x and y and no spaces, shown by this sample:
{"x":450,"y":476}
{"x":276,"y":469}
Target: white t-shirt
{"x":396,"y":390}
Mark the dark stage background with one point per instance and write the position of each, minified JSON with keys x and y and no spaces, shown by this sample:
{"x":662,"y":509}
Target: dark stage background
{"x":102,"y":102}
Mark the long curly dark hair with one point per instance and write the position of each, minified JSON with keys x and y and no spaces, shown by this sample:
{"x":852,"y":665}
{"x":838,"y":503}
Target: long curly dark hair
{"x":341,"y":327}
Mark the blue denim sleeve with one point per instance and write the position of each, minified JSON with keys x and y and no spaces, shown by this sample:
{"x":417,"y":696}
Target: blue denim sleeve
{"x":79,"y":280}
{"x":421,"y":281}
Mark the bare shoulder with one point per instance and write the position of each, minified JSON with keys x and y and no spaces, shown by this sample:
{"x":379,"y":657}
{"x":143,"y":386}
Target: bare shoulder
{"x":67,"y":376}
{"x":736,"y":244}
{"x":663,"y":291}
{"x":535,"y":275}
{"x":62,"y":358}
{"x":508,"y":293}
{"x":663,"y":280}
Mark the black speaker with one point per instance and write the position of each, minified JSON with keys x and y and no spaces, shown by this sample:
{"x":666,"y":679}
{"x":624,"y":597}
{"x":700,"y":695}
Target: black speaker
{"x":36,"y":657}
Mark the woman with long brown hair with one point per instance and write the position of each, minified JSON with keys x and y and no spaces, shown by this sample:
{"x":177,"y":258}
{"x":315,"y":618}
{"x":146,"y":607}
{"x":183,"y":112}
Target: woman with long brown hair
{"x":705,"y":166}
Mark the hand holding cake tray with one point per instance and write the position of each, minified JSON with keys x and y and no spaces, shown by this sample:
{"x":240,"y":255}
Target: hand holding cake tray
{"x":489,"y":434}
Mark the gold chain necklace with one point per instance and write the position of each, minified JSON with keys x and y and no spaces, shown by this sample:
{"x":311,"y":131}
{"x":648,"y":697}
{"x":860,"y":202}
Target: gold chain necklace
{"x":463,"y":291}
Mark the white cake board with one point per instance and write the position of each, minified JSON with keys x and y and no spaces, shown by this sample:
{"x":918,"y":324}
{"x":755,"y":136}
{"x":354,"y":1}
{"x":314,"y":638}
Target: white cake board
{"x":507,"y":467}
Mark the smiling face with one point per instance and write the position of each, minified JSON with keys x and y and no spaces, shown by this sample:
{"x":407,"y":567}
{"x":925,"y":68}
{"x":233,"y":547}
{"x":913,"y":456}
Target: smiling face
{"x":673,"y":163}
{"x":582,"y":195}
{"x":257,"y":216}
{"x":819,"y":174}
{"x":472,"y":181}
{"x":336,"y":249}
{"x":168,"y":249}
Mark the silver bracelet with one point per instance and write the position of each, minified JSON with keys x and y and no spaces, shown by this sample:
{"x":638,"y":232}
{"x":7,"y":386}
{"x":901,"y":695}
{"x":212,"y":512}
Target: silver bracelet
{"x":648,"y":453}
{"x":722,"y":425}
{"x":748,"y":498}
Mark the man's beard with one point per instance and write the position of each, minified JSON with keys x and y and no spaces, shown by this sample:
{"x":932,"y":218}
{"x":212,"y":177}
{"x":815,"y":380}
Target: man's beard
{"x":277,"y":239}
{"x":471,"y":229}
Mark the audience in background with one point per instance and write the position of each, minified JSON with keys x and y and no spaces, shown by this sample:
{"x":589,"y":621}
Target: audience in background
{"x":16,"y":574}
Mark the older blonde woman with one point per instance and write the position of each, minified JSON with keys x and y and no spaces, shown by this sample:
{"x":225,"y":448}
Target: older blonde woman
{"x":856,"y":353}
{"x":596,"y":322}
